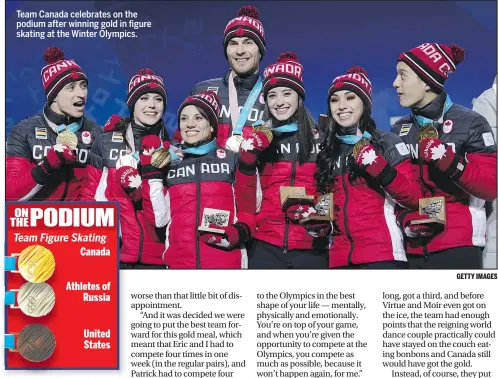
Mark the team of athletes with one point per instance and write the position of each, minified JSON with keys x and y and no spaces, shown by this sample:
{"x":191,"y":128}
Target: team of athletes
{"x":211,"y":195}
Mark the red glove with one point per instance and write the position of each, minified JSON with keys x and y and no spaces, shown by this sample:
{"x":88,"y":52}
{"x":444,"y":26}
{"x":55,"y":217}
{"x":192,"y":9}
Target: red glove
{"x":425,"y":230}
{"x":150,"y":143}
{"x":298,"y":212}
{"x":433,"y":151}
{"x":112,"y":123}
{"x":235,"y":235}
{"x":131,"y":182}
{"x":318,"y":229}
{"x":252,"y":146}
{"x":375,"y":165}
{"x":58,"y":155}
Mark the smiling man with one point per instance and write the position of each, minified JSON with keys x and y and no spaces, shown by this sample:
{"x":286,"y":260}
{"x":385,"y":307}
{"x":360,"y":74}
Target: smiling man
{"x":47,"y":153}
{"x":239,"y":90}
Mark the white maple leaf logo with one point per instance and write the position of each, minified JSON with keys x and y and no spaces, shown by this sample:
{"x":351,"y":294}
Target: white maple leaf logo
{"x":150,"y":151}
{"x":60,"y":147}
{"x":247,"y":144}
{"x":438,"y":152}
{"x":223,"y":243}
{"x":135,"y":181}
{"x":368,"y":157}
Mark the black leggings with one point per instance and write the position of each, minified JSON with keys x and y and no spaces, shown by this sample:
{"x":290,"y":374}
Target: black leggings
{"x":267,"y":256}
{"x":123,"y":265}
{"x":378,"y":265}
{"x":451,"y":258}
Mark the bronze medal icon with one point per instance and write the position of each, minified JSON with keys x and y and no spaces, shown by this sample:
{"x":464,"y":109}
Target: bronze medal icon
{"x":36,"y":299}
{"x":36,"y":263}
{"x":160,"y":158}
{"x":68,"y":138}
{"x":35,"y":342}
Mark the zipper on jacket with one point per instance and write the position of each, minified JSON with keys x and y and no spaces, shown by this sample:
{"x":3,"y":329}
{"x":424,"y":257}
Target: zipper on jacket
{"x":421,"y":168}
{"x":141,"y":245}
{"x":426,"y":253}
{"x":350,"y":253}
{"x":197,"y":210}
{"x":286,"y":232}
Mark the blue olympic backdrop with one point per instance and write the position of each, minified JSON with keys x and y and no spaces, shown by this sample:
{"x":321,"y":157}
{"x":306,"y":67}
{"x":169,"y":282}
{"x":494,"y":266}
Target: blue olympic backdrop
{"x":184,"y":46}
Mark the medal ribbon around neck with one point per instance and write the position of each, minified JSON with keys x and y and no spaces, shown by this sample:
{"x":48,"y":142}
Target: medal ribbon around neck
{"x":422,"y":121}
{"x":172,"y":153}
{"x":352,"y":139}
{"x":289,"y":128}
{"x":73,"y":127}
{"x":240,"y":121}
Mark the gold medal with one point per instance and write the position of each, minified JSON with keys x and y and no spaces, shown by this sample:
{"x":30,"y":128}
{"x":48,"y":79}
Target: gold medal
{"x":68,"y":138}
{"x":428,"y":131}
{"x":160,"y":158}
{"x":35,"y":342}
{"x":36,"y":264}
{"x":36,"y":299}
{"x":265,"y":130}
{"x":357,"y":147}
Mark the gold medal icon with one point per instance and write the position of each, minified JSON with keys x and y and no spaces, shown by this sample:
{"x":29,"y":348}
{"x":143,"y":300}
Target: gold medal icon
{"x":35,"y":299}
{"x":427,"y":131}
{"x":357,"y":147}
{"x":36,"y":263}
{"x":68,"y":138}
{"x":35,"y":342}
{"x":160,"y":158}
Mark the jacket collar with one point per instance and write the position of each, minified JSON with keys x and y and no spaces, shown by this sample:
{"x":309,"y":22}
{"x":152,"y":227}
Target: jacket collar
{"x":140,"y":131}
{"x":246,"y":82}
{"x":433,"y":109}
{"x":55,"y":119}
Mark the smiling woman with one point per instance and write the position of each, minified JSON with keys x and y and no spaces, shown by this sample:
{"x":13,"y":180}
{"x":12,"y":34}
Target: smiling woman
{"x":284,"y":152}
{"x":114,"y":173}
{"x":367,"y":171}
{"x":195,"y":126}
{"x":200,"y":198}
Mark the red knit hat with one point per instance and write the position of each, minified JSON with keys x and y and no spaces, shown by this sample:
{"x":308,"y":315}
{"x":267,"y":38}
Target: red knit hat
{"x":355,"y":80}
{"x":208,"y":101}
{"x":246,"y":24}
{"x":145,"y":81}
{"x":432,"y":62}
{"x":286,"y":72}
{"x":58,"y":72}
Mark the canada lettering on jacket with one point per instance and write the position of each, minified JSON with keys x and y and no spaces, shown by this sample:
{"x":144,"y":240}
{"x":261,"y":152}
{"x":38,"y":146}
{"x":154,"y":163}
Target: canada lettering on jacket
{"x":116,"y":153}
{"x":340,"y":159}
{"x":414,"y":149}
{"x":39,"y":152}
{"x":285,"y":148}
{"x":189,"y":170}
{"x":254,"y":114}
